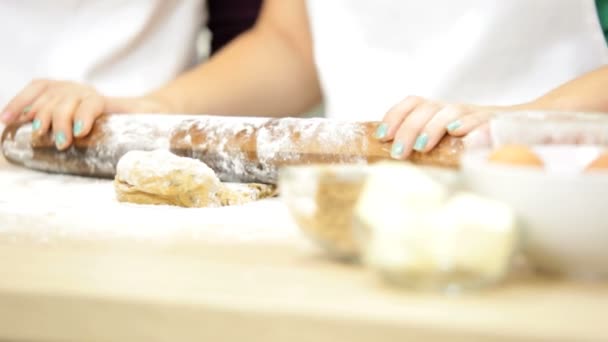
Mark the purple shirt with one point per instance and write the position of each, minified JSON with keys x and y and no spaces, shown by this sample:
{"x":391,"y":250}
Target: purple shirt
{"x":229,"y":18}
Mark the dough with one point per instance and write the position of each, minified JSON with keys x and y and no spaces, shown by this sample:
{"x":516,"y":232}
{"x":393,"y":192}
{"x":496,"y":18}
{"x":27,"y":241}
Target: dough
{"x":160,"y":177}
{"x":237,"y":193}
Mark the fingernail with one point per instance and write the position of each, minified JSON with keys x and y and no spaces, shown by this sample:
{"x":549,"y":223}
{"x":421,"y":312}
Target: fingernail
{"x":397,"y":150}
{"x":59,"y":139}
{"x":78,"y":125}
{"x":454,"y":125}
{"x":6,"y":116}
{"x":26,"y":109}
{"x":36,"y":124}
{"x":381,"y":131}
{"x":421,"y":142}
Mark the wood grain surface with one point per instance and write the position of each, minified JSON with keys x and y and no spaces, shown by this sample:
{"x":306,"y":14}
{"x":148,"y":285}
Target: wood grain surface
{"x":68,"y":272}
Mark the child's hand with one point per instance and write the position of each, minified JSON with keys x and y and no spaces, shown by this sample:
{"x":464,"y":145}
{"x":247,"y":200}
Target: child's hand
{"x":419,"y":124}
{"x":68,"y":109}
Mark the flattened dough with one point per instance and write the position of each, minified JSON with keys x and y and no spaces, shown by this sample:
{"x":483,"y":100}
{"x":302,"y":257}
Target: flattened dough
{"x":160,"y":177}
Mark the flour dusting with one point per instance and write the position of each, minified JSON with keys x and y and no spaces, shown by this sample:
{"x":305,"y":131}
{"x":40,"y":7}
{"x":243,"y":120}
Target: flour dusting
{"x":253,"y":149}
{"x":140,"y":168}
{"x":237,"y":149}
{"x":222,"y":144}
{"x":118,"y":135}
{"x":281,"y":140}
{"x":54,"y":208}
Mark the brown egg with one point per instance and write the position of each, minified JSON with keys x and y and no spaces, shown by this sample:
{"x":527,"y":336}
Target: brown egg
{"x":599,"y":164}
{"x":515,"y":155}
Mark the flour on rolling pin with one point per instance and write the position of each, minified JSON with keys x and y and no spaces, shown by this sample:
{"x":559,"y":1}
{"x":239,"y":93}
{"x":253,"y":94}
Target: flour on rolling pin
{"x":96,"y":155}
{"x":249,"y":150}
{"x":253,"y":151}
{"x":51,"y":209}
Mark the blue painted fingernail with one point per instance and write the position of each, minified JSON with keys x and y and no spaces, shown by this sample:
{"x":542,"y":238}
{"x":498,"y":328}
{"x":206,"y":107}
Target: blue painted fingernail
{"x":36,"y":124}
{"x":421,"y":142}
{"x":397,"y":150}
{"x":381,"y":131}
{"x":78,"y":125}
{"x":26,"y":109}
{"x":59,"y":139}
{"x":454,"y":125}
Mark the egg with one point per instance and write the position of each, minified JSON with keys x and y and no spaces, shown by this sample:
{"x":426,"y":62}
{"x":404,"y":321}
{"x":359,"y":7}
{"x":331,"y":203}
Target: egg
{"x":516,"y":155}
{"x":599,"y":164}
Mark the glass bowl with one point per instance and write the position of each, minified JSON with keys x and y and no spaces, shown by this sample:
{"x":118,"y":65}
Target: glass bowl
{"x":321,"y":199}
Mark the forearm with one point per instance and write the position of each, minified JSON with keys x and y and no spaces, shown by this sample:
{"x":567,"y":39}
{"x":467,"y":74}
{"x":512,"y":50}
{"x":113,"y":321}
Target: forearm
{"x":586,"y":93}
{"x":268,"y":71}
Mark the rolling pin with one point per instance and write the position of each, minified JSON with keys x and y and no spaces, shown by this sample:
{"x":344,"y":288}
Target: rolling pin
{"x":238,"y":149}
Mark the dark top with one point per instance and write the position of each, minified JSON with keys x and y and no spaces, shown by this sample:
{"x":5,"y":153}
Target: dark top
{"x":602,"y":10}
{"x":229,"y":18}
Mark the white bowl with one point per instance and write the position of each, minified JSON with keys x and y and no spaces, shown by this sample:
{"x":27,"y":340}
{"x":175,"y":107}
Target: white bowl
{"x":563,"y":211}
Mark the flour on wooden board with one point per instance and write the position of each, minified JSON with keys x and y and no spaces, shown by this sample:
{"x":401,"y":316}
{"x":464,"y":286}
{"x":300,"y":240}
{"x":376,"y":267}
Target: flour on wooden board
{"x":47,"y":208}
{"x":88,"y":208}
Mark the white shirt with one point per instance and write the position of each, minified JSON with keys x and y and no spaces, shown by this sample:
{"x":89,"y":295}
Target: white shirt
{"x":372,"y":54}
{"x":122,"y":47}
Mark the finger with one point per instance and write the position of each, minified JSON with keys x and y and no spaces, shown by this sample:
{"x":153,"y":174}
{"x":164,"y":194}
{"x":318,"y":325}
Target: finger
{"x":394,"y":117}
{"x":410,"y":135}
{"x":441,"y":122}
{"x":41,"y":111}
{"x":86,"y":113}
{"x":62,"y":115}
{"x":26,"y":115}
{"x":25,"y":98}
{"x":478,"y":137}
{"x":471,"y":121}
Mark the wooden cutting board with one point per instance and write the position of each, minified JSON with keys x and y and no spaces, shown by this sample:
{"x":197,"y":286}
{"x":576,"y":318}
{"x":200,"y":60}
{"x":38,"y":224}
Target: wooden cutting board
{"x":77,"y":266}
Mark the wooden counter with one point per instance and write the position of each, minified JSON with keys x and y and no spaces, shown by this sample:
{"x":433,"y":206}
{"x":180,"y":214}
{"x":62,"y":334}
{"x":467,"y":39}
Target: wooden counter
{"x":274,"y":287}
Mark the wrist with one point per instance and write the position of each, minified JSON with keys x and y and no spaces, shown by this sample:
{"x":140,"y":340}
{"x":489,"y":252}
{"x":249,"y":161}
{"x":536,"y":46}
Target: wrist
{"x":159,"y":102}
{"x":143,"y":104}
{"x":533,"y":105}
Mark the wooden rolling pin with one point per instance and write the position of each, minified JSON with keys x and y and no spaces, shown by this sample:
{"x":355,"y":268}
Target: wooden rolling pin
{"x":238,"y":149}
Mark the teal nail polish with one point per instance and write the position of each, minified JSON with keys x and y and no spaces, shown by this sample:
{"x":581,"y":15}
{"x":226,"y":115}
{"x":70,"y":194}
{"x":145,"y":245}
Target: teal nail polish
{"x":421,"y":142}
{"x":59,"y":139}
{"x":397,"y":150}
{"x":454,"y":125}
{"x":78,"y":125}
{"x":36,"y":124}
{"x":381,"y":131}
{"x":27,"y":109}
